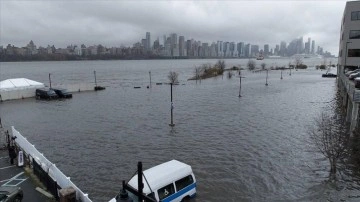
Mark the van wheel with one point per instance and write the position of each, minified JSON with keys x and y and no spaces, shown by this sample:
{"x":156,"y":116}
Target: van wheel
{"x":187,"y":198}
{"x":17,"y":199}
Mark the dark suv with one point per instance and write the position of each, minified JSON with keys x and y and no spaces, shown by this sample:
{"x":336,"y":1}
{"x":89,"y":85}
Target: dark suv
{"x":45,"y":93}
{"x":62,"y":93}
{"x":11,"y":194}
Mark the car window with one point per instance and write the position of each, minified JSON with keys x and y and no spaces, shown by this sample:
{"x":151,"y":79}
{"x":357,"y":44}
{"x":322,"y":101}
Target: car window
{"x":166,"y":191}
{"x":184,"y":182}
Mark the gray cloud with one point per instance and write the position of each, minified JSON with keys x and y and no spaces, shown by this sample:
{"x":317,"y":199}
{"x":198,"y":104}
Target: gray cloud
{"x":115,"y":23}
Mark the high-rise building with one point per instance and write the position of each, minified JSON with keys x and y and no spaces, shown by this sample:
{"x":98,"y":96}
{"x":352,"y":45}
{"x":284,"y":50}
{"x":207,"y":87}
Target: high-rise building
{"x":148,"y":44}
{"x":181,"y":45}
{"x":241,"y":49}
{"x":282,"y":51}
{"x":254,"y":50}
{"x":247,"y":50}
{"x":313,"y":47}
{"x":219,"y":50}
{"x":266,"y":50}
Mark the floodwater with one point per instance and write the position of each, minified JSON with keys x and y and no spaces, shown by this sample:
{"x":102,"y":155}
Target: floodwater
{"x":252,"y":148}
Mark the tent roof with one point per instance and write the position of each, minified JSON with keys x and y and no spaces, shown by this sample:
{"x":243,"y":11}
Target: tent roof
{"x":19,"y":83}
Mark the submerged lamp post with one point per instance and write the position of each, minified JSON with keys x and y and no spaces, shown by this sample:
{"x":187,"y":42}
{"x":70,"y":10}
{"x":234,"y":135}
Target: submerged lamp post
{"x":240,"y":82}
{"x":172,"y":106}
{"x":267,"y":73}
{"x":150,"y":78}
{"x":95,"y":78}
{"x":50,"y":80}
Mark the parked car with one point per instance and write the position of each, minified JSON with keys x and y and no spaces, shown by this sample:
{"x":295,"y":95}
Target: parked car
{"x":357,"y":82}
{"x":354,"y":75}
{"x":351,"y":72}
{"x":11,"y":194}
{"x":62,"y":93}
{"x":45,"y":93}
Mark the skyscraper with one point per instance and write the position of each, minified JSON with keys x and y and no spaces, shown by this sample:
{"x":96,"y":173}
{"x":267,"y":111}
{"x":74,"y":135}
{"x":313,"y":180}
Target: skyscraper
{"x":313,"y":47}
{"x":266,"y":50}
{"x":181,"y":45}
{"x":148,"y":46}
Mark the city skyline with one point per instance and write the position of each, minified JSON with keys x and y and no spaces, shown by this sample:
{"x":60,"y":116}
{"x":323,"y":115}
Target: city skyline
{"x":114,"y":23}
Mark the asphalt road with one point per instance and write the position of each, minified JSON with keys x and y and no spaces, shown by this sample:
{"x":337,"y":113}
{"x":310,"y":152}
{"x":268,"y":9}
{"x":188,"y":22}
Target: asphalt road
{"x":11,"y":175}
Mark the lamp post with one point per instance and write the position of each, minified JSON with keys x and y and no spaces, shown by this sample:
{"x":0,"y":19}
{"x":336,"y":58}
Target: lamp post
{"x":346,"y":51}
{"x":150,"y":78}
{"x":267,"y":72}
{"x":50,"y":80}
{"x":240,"y":82}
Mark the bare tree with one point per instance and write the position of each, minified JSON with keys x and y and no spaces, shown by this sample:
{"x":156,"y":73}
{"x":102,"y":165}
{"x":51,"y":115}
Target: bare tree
{"x":251,"y":64}
{"x":198,"y":72}
{"x":263,"y":65}
{"x":229,"y":74}
{"x":173,"y":77}
{"x":220,"y":64}
{"x":331,"y":137}
{"x":298,"y":61}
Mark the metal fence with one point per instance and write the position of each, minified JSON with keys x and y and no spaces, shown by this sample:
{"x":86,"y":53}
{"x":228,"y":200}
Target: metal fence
{"x":47,"y":172}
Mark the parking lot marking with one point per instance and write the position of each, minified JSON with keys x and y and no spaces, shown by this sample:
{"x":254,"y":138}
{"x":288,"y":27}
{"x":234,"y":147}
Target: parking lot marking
{"x":7,"y":167}
{"x":14,"y":181}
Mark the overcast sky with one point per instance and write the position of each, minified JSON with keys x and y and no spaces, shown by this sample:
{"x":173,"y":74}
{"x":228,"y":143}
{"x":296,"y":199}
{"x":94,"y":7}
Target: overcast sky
{"x":115,"y":23}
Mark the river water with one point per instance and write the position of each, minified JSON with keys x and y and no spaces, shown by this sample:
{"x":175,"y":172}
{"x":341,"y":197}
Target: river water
{"x":253,"y":148}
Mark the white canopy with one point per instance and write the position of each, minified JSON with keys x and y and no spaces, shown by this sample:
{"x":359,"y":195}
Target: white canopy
{"x":12,"y":84}
{"x":18,"y":88}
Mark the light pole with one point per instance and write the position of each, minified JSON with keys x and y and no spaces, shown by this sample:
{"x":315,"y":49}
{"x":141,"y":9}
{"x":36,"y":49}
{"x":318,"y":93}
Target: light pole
{"x":346,"y":51}
{"x":150,"y":78}
{"x":172,"y":105}
{"x":95,"y":79}
{"x":50,"y":80}
{"x":240,"y":82}
{"x":267,"y":72}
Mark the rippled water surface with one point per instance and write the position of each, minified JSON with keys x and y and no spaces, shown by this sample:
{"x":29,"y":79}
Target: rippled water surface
{"x":253,"y":148}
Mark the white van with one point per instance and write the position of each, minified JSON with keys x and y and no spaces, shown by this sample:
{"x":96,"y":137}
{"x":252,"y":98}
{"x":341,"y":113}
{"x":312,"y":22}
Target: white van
{"x":169,"y":181}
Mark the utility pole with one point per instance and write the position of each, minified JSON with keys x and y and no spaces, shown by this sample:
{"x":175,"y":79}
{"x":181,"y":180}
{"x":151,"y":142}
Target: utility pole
{"x":172,"y":106}
{"x":281,"y":75}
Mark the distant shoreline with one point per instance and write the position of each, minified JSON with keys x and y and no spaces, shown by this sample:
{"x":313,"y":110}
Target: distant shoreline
{"x":36,"y":58}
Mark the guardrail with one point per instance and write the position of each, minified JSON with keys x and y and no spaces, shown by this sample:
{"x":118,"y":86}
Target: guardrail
{"x":31,"y":152}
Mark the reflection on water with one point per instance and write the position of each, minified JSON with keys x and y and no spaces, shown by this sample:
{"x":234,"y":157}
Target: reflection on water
{"x":253,"y":148}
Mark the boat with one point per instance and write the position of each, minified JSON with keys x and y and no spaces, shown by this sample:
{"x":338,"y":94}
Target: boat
{"x":329,"y":75}
{"x":260,"y":57}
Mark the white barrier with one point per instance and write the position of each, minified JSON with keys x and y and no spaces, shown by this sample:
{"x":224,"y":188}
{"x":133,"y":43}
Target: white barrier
{"x":62,"y":180}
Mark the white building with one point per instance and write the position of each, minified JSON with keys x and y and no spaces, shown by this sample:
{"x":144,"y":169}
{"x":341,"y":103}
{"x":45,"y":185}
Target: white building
{"x":349,"y":47}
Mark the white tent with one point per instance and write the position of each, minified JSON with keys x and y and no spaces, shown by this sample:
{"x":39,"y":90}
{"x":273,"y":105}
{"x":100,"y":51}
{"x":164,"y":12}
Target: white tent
{"x":19,"y":88}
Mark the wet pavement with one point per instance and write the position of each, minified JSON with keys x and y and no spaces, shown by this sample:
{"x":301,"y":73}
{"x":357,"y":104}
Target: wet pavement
{"x":12,"y":175}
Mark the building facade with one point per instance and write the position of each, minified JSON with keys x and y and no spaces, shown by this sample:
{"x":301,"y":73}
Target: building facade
{"x":349,"y":58}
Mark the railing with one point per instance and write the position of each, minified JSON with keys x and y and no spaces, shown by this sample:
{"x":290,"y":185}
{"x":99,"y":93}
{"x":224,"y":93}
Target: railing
{"x":349,"y":85}
{"x":31,"y":152}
